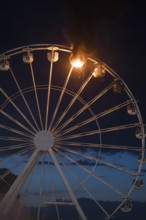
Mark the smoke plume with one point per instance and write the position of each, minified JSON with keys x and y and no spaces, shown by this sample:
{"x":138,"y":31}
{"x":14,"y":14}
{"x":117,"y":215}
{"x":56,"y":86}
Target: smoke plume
{"x":83,"y":19}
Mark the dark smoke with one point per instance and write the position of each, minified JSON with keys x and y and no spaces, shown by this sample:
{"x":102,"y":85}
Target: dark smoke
{"x":83,"y":19}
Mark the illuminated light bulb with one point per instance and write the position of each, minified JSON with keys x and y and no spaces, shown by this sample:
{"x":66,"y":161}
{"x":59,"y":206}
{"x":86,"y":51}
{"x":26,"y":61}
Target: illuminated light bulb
{"x":77,"y":60}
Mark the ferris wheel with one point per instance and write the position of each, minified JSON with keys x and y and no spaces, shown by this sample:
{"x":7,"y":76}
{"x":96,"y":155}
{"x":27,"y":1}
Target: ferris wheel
{"x":72,"y":133}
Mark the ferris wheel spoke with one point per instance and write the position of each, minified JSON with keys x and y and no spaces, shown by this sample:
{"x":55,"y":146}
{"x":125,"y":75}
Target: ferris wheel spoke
{"x":60,"y":98}
{"x":27,"y":188}
{"x":82,"y":184}
{"x":13,"y":147}
{"x":20,"y":153}
{"x":41,"y":188}
{"x":117,"y":167}
{"x":54,"y":185}
{"x":16,"y":122}
{"x":7,"y":128}
{"x":18,"y":110}
{"x":120,"y":147}
{"x":49,"y":172}
{"x":36,"y":94}
{"x":118,"y":207}
{"x":68,"y":187}
{"x":97,"y":160}
{"x":96,"y":145}
{"x":96,"y":117}
{"x":94,"y":132}
{"x":78,"y":135}
{"x":7,"y":172}
{"x":57,"y":211}
{"x":120,"y":127}
{"x":92,"y":174}
{"x":86,"y":106}
{"x":53,"y":190}
{"x":48,"y":92}
{"x":72,"y":101}
{"x":23,"y":97}
{"x":10,"y":138}
{"x":95,"y":200}
{"x":79,"y":144}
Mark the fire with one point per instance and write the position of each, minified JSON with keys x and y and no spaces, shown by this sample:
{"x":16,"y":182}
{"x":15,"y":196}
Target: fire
{"x":77,"y":60}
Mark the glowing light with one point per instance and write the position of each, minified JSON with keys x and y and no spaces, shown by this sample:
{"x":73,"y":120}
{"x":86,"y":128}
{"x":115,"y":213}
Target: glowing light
{"x":77,"y":60}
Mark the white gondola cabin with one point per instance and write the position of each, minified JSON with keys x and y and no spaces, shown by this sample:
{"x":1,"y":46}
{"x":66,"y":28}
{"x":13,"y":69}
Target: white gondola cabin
{"x":140,"y":160}
{"x":99,"y":71}
{"x":138,"y":184}
{"x":53,"y":56}
{"x":131,"y":109}
{"x":4,"y":65}
{"x":144,"y":160}
{"x":127,"y":206}
{"x":138,"y":133}
{"x":28,"y":58}
{"x":118,"y":87}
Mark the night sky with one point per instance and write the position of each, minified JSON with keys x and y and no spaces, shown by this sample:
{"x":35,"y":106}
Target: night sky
{"x":113,"y":31}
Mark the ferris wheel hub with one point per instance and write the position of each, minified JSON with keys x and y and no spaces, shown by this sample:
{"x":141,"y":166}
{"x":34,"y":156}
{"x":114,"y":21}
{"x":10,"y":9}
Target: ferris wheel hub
{"x":43,"y":140}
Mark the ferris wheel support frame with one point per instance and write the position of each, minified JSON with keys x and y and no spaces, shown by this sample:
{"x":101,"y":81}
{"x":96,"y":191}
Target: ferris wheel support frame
{"x":13,"y":192}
